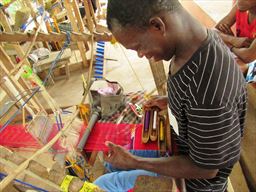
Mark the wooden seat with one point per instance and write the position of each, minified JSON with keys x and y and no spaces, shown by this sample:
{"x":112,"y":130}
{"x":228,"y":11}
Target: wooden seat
{"x":248,"y":156}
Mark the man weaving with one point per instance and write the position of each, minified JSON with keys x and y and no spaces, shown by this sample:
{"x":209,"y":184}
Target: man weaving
{"x":206,"y":93}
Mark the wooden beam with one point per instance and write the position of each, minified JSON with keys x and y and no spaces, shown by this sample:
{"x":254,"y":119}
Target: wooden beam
{"x":75,"y":28}
{"x":92,"y":12}
{"x":30,"y":173}
{"x":14,"y":37}
{"x":159,"y":75}
{"x":80,"y":21}
{"x":88,"y":16}
{"x":21,"y":37}
{"x":195,"y":10}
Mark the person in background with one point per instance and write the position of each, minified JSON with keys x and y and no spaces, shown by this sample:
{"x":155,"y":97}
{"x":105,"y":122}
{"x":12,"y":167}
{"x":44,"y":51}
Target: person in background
{"x":206,"y":103}
{"x":243,"y":42}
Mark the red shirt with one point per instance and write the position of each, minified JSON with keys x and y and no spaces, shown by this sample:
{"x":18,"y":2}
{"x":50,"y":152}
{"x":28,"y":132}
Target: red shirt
{"x":243,"y":28}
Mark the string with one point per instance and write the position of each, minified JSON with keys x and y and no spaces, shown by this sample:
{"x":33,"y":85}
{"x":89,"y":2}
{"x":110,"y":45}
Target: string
{"x":2,"y":176}
{"x":21,"y":97}
{"x":66,"y":44}
{"x":129,"y":62}
{"x":57,"y":122}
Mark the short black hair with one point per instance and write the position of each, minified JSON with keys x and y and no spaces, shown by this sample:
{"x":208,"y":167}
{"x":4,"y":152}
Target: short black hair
{"x":136,"y":12}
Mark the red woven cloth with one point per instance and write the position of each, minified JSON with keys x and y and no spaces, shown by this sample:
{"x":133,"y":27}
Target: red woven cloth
{"x":119,"y":134}
{"x":16,"y":136}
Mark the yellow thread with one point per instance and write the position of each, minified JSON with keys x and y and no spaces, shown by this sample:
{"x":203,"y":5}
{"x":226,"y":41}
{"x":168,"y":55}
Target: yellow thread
{"x":161,"y":131}
{"x":65,"y":183}
{"x":88,"y":187}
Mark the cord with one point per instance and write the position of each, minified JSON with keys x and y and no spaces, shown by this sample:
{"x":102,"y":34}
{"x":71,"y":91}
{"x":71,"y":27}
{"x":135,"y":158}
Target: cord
{"x":66,"y":44}
{"x":2,"y":176}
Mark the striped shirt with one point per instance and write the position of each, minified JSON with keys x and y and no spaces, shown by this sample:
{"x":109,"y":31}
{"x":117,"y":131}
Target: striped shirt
{"x":208,"y":98}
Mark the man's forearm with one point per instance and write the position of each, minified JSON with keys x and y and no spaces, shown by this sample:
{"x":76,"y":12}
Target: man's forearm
{"x":228,"y":39}
{"x":176,"y":166}
{"x":247,"y":55}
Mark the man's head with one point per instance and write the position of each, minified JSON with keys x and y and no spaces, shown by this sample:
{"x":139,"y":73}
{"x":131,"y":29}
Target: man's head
{"x":136,"y":13}
{"x":142,"y":25}
{"x":245,"y":5}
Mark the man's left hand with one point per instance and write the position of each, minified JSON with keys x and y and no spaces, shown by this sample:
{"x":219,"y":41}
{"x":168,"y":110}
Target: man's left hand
{"x":119,"y":157}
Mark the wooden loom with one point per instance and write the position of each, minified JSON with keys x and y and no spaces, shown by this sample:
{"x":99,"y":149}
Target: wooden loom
{"x":13,"y":72}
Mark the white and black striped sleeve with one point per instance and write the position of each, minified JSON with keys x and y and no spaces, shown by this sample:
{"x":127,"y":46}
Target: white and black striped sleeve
{"x":214,"y":135}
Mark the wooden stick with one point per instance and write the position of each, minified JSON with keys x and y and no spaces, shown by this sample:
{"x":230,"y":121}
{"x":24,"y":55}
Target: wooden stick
{"x":21,"y":37}
{"x":23,"y":117}
{"x":79,"y":20}
{"x":14,"y":37}
{"x":30,"y":173}
{"x":88,"y":16}
{"x":53,"y":43}
{"x":73,"y":22}
{"x":158,"y":72}
{"x":92,"y":12}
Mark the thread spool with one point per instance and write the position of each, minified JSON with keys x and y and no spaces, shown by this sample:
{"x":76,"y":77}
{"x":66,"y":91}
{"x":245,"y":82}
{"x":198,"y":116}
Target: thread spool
{"x":154,"y":120}
{"x":161,"y":130}
{"x":147,"y":120}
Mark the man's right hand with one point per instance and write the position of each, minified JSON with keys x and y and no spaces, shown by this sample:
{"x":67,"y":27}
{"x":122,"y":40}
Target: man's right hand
{"x":156,"y":101}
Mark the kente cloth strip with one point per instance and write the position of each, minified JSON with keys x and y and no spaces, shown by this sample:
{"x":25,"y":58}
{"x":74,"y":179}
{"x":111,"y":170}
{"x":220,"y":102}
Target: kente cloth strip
{"x":119,"y":134}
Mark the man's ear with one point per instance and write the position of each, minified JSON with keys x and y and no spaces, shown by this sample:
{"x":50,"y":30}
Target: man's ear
{"x":156,"y":23}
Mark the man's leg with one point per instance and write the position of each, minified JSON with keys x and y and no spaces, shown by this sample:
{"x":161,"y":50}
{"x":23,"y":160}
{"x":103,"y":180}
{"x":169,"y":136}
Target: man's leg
{"x":140,"y":153}
{"x":120,"y":181}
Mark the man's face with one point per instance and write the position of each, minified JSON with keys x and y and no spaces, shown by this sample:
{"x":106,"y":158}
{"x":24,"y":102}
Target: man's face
{"x":245,"y":5}
{"x":148,"y":43}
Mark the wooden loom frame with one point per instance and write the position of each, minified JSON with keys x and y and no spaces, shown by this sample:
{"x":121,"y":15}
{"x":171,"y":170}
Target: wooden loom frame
{"x":81,"y":39}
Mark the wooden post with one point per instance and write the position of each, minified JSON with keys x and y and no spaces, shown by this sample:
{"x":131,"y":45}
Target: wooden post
{"x":72,"y":19}
{"x":88,"y":16}
{"x":79,"y":21}
{"x":158,"y":72}
{"x":92,"y":12}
